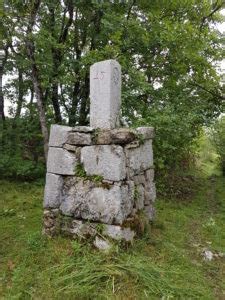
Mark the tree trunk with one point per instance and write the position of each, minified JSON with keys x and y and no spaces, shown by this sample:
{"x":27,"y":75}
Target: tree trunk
{"x":75,"y":101}
{"x":39,"y":97}
{"x":84,"y":102}
{"x":55,"y":103}
{"x":30,"y":47}
{"x":57,"y":58}
{"x":2,"y":115}
{"x":20,"y":95}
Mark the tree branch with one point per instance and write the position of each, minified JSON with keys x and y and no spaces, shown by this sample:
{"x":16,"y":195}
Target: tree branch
{"x":215,"y":9}
{"x":208,"y":91}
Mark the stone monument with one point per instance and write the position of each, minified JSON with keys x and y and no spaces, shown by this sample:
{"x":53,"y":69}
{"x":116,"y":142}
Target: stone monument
{"x":100,"y":179}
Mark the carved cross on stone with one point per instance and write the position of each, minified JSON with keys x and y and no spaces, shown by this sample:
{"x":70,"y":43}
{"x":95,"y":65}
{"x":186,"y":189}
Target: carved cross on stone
{"x":105,"y":94}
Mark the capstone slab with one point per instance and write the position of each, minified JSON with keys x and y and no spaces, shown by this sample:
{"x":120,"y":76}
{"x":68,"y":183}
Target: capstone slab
{"x":79,"y":139}
{"x":147,"y":133}
{"x":119,"y":136}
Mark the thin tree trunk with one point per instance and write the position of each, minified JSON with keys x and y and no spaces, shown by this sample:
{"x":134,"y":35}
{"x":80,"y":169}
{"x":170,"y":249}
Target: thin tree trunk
{"x":84,"y":102}
{"x":75,"y":101}
{"x":20,"y":95}
{"x":55,"y":103}
{"x":57,"y":53}
{"x":2,"y":115}
{"x":57,"y":58}
{"x":35,"y":75}
{"x":39,"y":98}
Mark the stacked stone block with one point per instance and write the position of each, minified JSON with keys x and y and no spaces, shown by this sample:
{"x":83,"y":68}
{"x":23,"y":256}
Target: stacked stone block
{"x":99,"y":176}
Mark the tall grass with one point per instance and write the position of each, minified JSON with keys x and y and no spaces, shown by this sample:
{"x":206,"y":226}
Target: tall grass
{"x":122,"y":275}
{"x":166,"y":263}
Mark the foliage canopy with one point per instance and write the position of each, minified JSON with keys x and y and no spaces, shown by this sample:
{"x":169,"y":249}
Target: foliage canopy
{"x":167,"y":49}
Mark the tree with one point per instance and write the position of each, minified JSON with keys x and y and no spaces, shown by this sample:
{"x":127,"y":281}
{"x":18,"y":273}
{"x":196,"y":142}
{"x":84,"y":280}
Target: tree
{"x":167,"y":50}
{"x":218,"y":138}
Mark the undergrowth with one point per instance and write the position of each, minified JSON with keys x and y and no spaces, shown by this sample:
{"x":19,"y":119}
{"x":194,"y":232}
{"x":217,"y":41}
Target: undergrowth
{"x":165,"y":263}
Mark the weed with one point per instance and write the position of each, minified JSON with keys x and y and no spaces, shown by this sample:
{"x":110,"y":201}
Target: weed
{"x":95,"y":135}
{"x":140,"y":138}
{"x":96,"y":178}
{"x":100,"y":228}
{"x":80,"y":172}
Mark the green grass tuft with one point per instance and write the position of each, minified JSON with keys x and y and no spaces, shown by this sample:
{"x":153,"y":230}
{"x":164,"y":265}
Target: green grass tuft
{"x":165,"y":263}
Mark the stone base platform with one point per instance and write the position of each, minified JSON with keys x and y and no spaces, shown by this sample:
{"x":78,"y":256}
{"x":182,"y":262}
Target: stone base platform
{"x":98,"y":178}
{"x":102,"y":235}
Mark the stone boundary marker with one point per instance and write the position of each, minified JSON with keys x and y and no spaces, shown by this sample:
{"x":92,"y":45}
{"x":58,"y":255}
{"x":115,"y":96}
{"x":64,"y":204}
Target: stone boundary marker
{"x":100,"y":179}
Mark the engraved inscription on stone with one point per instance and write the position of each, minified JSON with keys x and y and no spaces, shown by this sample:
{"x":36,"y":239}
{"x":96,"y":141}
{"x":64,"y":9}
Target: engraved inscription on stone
{"x":99,"y":75}
{"x":116,"y":75}
{"x":105,"y":94}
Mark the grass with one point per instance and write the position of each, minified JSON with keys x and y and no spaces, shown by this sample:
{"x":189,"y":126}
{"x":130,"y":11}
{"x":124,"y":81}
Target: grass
{"x":166,"y":263}
{"x":208,"y":159}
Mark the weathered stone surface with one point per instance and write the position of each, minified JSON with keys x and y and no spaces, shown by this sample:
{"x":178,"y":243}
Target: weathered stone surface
{"x":82,"y":229}
{"x":69,"y":147}
{"x":58,"y":135}
{"x":51,"y":231}
{"x":119,"y":136}
{"x":51,"y":222}
{"x":83,"y":200}
{"x":107,"y":181}
{"x":134,"y":144}
{"x":118,"y":233}
{"x":150,"y":193}
{"x":153,"y":192}
{"x":86,"y":129}
{"x":48,"y":223}
{"x":105,"y":160}
{"x":149,"y":175}
{"x":149,"y":212}
{"x":53,"y":189}
{"x":139,"y":196}
{"x":79,"y":138}
{"x":139,"y":159}
{"x":61,"y":161}
{"x":146,"y":132}
{"x":101,"y":244}
{"x":72,"y":148}
{"x":105,"y":94}
{"x":51,"y":213}
{"x":139,"y":179}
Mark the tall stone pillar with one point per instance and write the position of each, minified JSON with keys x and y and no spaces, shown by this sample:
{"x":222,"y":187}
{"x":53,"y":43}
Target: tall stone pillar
{"x":105,"y":94}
